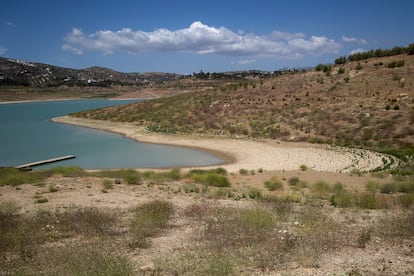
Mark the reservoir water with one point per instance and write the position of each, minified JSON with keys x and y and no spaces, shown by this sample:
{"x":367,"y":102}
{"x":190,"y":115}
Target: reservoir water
{"x":27,"y":135}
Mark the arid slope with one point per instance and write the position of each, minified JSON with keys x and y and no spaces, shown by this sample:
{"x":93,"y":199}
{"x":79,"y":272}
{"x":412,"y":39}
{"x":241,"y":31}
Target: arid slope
{"x":358,"y":103}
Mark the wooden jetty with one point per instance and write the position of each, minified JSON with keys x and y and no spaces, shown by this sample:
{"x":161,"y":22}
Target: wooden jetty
{"x":44,"y":162}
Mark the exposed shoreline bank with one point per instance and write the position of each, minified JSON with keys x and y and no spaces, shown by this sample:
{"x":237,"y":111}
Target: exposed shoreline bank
{"x":246,"y":154}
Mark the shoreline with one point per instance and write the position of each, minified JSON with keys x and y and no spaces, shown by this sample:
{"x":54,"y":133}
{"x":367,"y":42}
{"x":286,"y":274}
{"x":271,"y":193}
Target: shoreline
{"x":34,"y":101}
{"x":67,"y":99}
{"x":247,"y":154}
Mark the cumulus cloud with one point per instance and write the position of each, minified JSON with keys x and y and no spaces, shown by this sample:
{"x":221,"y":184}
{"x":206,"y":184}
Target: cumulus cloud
{"x":200,"y":39}
{"x":2,"y":50}
{"x":353,"y":40}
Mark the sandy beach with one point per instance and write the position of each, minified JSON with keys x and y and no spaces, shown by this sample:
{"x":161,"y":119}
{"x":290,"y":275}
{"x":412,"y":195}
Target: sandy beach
{"x":248,"y":154}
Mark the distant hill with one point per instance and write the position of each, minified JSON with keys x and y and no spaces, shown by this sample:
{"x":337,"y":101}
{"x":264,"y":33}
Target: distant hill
{"x":367,"y":102}
{"x":15,"y":72}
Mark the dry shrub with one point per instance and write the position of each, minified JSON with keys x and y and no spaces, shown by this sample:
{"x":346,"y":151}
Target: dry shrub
{"x":148,"y":220}
{"x":77,"y":260}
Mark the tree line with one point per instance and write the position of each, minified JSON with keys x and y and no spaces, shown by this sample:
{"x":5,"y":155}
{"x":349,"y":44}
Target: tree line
{"x":397,"y":50}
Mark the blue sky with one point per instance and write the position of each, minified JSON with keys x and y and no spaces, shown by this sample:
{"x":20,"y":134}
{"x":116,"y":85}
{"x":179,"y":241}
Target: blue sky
{"x":189,"y":36}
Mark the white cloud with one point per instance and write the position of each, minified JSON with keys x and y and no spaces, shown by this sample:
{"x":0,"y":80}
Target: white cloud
{"x":354,"y":40}
{"x":201,"y":39}
{"x":2,"y":50}
{"x":244,"y":61}
{"x":73,"y":50}
{"x":355,"y":51}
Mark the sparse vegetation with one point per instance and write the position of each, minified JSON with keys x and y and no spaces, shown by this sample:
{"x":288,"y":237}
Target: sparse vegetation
{"x":215,"y":178}
{"x":220,"y":223}
{"x":148,"y":220}
{"x":273,"y":184}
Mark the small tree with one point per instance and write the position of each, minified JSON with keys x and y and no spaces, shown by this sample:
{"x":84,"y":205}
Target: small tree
{"x":410,"y":49}
{"x":340,"y":60}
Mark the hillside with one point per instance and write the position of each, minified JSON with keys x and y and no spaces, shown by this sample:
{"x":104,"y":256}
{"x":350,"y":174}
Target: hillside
{"x":15,"y":72}
{"x":361,"y":103}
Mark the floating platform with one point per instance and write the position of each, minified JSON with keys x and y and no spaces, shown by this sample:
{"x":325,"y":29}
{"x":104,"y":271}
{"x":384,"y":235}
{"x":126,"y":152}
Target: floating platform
{"x":28,"y":166}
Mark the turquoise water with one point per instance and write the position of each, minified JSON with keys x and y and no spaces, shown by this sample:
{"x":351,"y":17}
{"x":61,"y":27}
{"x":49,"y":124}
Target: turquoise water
{"x":27,"y":135}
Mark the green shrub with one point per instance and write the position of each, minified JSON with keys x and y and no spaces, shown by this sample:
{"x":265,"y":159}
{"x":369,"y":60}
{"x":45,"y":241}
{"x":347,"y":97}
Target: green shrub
{"x":108,"y":183}
{"x":343,"y":199}
{"x":294,"y":181}
{"x":273,"y":184}
{"x":396,"y":63}
{"x":243,"y":172}
{"x":174,"y":174}
{"x":367,"y":201}
{"x":341,"y":70}
{"x":210,"y":178}
{"x":321,"y":189}
{"x":254,"y":193}
{"x":41,"y":200}
{"x":216,"y":180}
{"x":340,"y":60}
{"x":191,"y":188}
{"x":14,"y":177}
{"x":71,"y":171}
{"x":303,"y":168}
{"x":148,"y":220}
{"x":132,"y":177}
{"x":53,"y":188}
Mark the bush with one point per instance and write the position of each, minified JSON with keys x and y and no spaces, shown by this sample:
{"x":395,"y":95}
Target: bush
{"x":216,"y":180}
{"x":322,"y":189}
{"x":294,"y":181}
{"x":243,"y":172}
{"x":303,"y":168}
{"x":132,"y":177}
{"x":340,"y":60}
{"x":394,"y":64}
{"x":71,"y":171}
{"x":238,"y":227}
{"x":254,"y":193}
{"x":107,"y":184}
{"x":88,"y":221}
{"x":210,"y":178}
{"x":53,"y":188}
{"x":14,"y":177}
{"x":273,"y":184}
{"x":22,"y":234}
{"x":388,"y":188}
{"x":41,"y":200}
{"x":75,"y":260}
{"x":341,"y":70}
{"x":148,"y":220}
{"x":367,"y":201}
